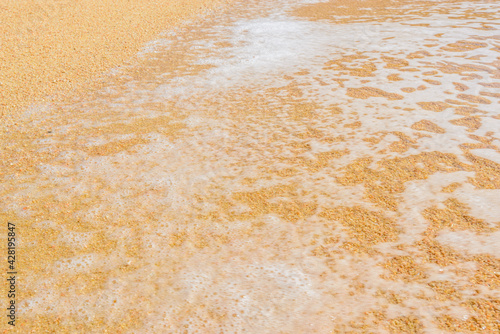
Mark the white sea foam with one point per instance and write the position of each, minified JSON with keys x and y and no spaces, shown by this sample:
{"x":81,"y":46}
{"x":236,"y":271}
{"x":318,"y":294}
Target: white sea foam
{"x":209,"y":260}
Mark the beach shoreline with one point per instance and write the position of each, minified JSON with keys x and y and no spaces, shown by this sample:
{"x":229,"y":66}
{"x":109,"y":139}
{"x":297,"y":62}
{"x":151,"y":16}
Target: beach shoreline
{"x":268,"y":167}
{"x":50,"y":47}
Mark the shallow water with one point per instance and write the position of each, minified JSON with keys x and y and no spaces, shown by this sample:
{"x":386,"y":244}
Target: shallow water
{"x":267,"y":170}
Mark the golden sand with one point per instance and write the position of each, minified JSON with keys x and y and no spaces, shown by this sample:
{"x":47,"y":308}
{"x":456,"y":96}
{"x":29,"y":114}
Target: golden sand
{"x":123,"y":233}
{"x":52,"y":45}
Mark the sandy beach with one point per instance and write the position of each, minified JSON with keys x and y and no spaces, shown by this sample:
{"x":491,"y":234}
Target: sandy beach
{"x":58,"y":46}
{"x":253,"y":167}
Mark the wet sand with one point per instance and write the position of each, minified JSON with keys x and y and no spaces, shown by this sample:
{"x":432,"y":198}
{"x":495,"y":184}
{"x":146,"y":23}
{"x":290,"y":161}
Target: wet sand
{"x":278,"y":167}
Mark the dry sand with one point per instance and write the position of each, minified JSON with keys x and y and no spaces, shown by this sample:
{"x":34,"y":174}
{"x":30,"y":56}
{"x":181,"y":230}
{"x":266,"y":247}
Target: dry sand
{"x":52,"y":45}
